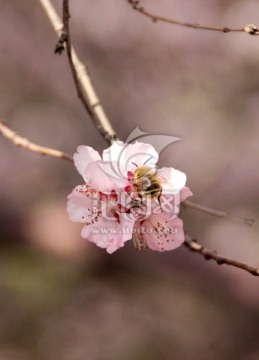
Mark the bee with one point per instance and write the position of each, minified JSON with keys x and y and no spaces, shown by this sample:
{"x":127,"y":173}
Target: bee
{"x":146,"y":182}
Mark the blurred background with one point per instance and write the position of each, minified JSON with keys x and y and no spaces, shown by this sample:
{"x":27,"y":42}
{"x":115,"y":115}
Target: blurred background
{"x":60,"y":296}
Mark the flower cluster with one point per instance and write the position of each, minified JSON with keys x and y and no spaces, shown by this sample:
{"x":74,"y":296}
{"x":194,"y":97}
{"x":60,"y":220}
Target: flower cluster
{"x":125,"y":196}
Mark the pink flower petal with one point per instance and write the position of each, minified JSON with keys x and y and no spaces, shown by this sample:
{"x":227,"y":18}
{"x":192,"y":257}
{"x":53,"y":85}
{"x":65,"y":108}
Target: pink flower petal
{"x":86,"y":231}
{"x":115,"y":175}
{"x":109,"y":235}
{"x":84,"y":156}
{"x":81,"y":205}
{"x":95,"y":177}
{"x":169,"y":206}
{"x":76,"y":213}
{"x":163,"y":235}
{"x":185,"y":193}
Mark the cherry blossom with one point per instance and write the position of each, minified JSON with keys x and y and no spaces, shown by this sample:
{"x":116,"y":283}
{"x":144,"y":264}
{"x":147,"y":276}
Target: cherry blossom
{"x":114,"y":209}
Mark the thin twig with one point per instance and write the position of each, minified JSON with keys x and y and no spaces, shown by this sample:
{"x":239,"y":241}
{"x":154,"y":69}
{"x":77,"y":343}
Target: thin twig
{"x":217,"y":213}
{"x":26,"y":144}
{"x":65,"y":38}
{"x":85,"y":88}
{"x":250,"y":28}
{"x":194,"y":246}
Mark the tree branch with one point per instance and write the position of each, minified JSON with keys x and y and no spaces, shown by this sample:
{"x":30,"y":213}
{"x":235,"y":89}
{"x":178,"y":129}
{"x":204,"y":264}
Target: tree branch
{"x":194,"y":246}
{"x":217,"y":213}
{"x":83,"y":83}
{"x":250,"y":28}
{"x":28,"y":145}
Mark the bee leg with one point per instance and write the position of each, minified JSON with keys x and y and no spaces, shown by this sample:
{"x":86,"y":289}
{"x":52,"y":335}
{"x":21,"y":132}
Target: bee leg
{"x":159,"y":201}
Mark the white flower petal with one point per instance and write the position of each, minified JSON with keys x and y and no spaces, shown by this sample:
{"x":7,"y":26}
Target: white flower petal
{"x":139,"y":154}
{"x":84,"y":156}
{"x":115,"y":152}
{"x":176,"y":179}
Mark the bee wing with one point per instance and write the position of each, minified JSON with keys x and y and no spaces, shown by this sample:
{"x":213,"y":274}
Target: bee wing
{"x":162,"y":180}
{"x":166,"y":185}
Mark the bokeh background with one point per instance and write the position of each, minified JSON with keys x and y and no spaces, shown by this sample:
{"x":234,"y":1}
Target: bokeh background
{"x":60,"y":296}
